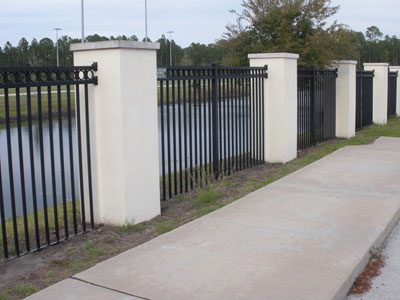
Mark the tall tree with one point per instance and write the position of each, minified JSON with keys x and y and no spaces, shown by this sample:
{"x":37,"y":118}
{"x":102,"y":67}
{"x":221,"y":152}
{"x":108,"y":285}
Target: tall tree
{"x":47,"y":52}
{"x":23,"y":51}
{"x":2,"y":58}
{"x":373,"y":34}
{"x":298,"y":26}
{"x":163,"y":54}
{"x":34,"y":53}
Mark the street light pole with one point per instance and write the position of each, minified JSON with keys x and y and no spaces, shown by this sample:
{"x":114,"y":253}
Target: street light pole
{"x":58,"y":59}
{"x":145,"y":17}
{"x":170,"y":47}
{"x":82,"y":22}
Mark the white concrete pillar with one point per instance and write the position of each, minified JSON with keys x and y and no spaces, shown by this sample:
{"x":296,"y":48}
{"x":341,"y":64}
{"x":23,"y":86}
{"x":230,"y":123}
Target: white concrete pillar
{"x":380,"y":94}
{"x":124,"y":130}
{"x":346,"y":99}
{"x":397,"y":69}
{"x":280,"y":105}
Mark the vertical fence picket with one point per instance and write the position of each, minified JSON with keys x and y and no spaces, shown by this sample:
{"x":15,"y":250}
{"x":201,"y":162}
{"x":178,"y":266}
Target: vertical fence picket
{"x":210,"y":138}
{"x":88,"y":154}
{"x":52,"y":161}
{"x":200,"y":131}
{"x":168,"y":139}
{"x":185,"y":135}
{"x":80,"y":156}
{"x":42,"y":163}
{"x":22,"y":173}
{"x":71,"y":159}
{"x":180,"y":137}
{"x":229,"y":116}
{"x":3,"y":219}
{"x":62,"y":163}
{"x":32,"y":167}
{"x":215,"y":122}
{"x":190,"y":134}
{"x":174,"y":137}
{"x":163,"y":186}
{"x":11,"y":172}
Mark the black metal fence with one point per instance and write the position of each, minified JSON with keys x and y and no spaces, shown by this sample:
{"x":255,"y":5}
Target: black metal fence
{"x":316,"y":92}
{"x":364,"y":98}
{"x":211,"y":124}
{"x":392,"y":95}
{"x":41,"y":161}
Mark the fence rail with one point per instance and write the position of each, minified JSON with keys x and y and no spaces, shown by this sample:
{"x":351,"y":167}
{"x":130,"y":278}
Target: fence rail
{"x":42,"y":197}
{"x":211,"y":124}
{"x":364,"y":98}
{"x":316,"y":92}
{"x":392,"y":93}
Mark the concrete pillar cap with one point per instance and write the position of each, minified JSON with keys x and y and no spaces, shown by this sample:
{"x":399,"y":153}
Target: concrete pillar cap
{"x":273,"y":55}
{"x":345,"y":62}
{"x":114,"y":44}
{"x":376,"y":64}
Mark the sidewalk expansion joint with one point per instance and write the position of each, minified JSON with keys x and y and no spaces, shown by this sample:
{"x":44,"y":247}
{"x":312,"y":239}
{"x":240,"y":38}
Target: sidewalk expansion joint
{"x":110,"y":289}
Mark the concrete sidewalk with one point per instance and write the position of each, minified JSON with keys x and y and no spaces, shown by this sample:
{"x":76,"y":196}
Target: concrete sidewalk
{"x":306,"y":236}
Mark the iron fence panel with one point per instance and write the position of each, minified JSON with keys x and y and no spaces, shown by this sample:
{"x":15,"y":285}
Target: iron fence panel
{"x":364,"y":98}
{"x":40,"y":196}
{"x":316,"y":94}
{"x":211,"y":124}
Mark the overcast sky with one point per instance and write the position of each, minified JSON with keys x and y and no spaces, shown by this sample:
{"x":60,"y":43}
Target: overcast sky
{"x":201,"y":21}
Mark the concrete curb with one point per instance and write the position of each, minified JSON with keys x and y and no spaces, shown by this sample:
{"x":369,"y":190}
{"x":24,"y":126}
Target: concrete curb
{"x":359,"y":268}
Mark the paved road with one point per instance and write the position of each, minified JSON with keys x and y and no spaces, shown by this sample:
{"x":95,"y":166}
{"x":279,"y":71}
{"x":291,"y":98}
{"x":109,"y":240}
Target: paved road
{"x":306,"y":236}
{"x":387,"y":285}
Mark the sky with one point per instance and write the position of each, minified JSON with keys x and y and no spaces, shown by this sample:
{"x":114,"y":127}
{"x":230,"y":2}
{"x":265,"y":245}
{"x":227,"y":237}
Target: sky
{"x":200,"y":21}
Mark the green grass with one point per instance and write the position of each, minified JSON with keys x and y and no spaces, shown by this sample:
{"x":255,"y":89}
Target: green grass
{"x":209,"y":195}
{"x":207,"y":209}
{"x":19,"y":291}
{"x":50,"y":275}
{"x":165,"y":226}
{"x":227,"y":183}
{"x":59,"y":263}
{"x":31,"y":225}
{"x":93,"y":252}
{"x":78,"y":266}
{"x":131,"y":227}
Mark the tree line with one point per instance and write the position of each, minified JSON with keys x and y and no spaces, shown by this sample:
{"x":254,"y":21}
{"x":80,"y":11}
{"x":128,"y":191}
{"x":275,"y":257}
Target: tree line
{"x":43,"y":52}
{"x":296,"y":26}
